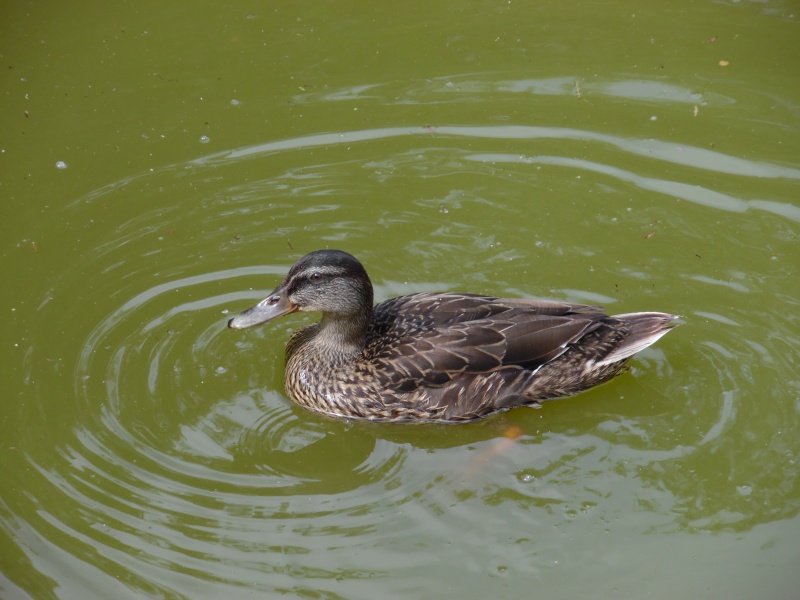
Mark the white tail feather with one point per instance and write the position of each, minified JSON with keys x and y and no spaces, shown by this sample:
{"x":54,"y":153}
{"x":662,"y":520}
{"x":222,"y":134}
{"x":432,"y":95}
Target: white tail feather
{"x":659,"y":325}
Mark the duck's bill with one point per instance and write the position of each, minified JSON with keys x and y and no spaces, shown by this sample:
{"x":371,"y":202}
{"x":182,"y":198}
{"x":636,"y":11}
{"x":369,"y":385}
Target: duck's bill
{"x":271,"y":307}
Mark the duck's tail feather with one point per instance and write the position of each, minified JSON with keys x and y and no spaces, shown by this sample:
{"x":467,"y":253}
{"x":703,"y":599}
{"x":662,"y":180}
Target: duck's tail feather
{"x":645,"y":329}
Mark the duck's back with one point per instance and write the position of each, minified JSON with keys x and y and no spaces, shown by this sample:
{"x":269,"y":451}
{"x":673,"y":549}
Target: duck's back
{"x":419,"y":314}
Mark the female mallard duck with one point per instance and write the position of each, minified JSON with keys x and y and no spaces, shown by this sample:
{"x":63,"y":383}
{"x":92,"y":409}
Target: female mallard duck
{"x":439,"y":357}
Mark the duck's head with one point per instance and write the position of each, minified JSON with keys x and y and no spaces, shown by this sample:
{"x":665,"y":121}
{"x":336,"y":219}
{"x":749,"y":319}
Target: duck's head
{"x":332,"y":282}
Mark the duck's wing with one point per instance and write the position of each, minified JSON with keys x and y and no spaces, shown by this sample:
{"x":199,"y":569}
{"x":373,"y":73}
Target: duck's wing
{"x":436,"y":354}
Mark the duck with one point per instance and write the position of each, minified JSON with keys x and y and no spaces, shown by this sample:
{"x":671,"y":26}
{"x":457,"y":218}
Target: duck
{"x":439,"y":357}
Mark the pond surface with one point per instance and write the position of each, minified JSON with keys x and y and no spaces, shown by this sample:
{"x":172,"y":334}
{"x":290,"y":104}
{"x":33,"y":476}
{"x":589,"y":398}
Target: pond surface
{"x":163,"y":166}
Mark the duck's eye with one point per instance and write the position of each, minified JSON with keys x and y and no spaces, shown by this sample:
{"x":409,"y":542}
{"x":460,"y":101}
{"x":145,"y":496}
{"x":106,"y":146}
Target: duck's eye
{"x":315,"y":277}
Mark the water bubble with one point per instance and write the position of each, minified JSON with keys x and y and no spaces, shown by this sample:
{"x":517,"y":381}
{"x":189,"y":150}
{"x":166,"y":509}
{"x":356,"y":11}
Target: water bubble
{"x":204,"y":139}
{"x":235,"y":102}
{"x":60,"y":164}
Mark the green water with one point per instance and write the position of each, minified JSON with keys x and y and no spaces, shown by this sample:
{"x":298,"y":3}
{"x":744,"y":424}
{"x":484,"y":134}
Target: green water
{"x":643,"y":158}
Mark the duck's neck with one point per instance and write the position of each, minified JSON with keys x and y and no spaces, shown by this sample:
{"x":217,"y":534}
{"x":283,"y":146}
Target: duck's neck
{"x":335,"y":340}
{"x":344,"y":335}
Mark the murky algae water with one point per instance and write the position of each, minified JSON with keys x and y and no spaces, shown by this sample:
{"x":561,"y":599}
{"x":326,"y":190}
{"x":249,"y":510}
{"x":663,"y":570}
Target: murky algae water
{"x":162,"y":170}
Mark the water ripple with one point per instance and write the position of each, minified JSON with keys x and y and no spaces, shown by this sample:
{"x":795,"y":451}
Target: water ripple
{"x":664,"y":151}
